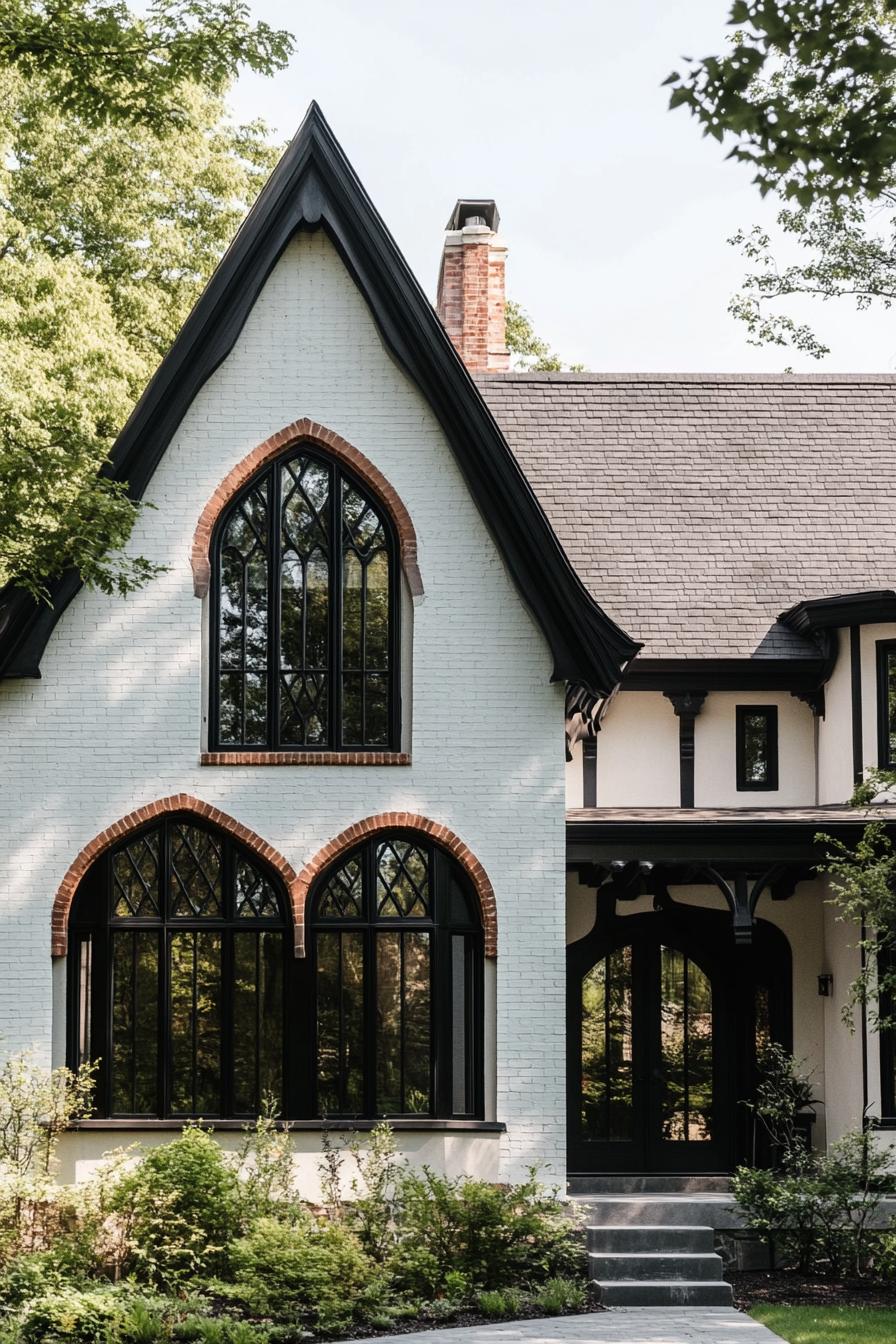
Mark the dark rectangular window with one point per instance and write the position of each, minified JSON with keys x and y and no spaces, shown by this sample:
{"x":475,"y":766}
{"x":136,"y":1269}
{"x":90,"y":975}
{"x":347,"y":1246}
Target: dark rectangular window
{"x":757,"y":747}
{"x":886,"y":703}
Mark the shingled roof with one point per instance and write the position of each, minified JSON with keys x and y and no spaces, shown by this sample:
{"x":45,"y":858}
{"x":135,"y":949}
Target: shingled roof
{"x":696,"y":507}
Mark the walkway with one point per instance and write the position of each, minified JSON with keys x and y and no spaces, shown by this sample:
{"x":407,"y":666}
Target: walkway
{"x":628,"y":1325}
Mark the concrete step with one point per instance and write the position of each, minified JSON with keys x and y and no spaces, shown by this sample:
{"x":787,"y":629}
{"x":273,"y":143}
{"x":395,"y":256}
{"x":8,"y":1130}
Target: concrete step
{"x":653,"y":1265}
{"x":617,"y":1239}
{"x":707,"y":1210}
{"x":663,"y":1293}
{"x":648,"y":1185}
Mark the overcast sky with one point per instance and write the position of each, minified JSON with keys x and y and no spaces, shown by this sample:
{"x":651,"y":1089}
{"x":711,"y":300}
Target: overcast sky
{"x":616,"y":211}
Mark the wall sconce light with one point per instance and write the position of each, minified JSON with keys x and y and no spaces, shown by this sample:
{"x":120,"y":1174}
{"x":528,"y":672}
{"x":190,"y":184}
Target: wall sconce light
{"x":826,"y":986}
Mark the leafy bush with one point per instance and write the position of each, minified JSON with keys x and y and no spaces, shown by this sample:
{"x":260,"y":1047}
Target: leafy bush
{"x":493,"y":1236}
{"x":74,"y":1316}
{"x":307,"y":1271}
{"x":181,"y":1208}
{"x":560,"y":1295}
{"x":219,"y":1330}
{"x":265,"y":1165}
{"x":821,"y":1215}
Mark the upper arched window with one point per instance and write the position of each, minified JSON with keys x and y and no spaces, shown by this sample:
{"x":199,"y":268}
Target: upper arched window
{"x":305,"y":613}
{"x":178,"y":959}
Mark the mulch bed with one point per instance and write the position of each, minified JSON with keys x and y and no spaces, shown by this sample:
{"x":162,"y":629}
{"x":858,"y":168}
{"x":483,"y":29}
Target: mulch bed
{"x":463,"y":1318}
{"x":785,"y":1287}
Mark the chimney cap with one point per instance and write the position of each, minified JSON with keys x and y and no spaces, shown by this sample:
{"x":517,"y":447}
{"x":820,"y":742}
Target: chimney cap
{"x":469,"y":206}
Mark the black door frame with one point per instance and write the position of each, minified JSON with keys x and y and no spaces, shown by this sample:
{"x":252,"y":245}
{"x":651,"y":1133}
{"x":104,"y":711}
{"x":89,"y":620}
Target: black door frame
{"x":735,"y":971}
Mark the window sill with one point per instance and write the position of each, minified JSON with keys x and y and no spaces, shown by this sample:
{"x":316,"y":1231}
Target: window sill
{"x":882,"y":1121}
{"x":305,"y":1126}
{"x":305,"y":758}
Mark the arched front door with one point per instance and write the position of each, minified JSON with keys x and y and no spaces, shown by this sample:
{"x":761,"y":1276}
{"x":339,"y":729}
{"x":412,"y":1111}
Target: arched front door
{"x":664,"y":1012}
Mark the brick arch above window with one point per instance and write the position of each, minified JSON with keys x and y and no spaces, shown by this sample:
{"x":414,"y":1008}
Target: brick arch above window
{"x":398,"y":821}
{"x":119,"y":830}
{"x":338,"y":448}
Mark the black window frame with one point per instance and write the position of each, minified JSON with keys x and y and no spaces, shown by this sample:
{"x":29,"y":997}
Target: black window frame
{"x":334,"y":743}
{"x":93,"y":919}
{"x":771,"y":782}
{"x":886,"y":760}
{"x":93,"y":924}
{"x":441,"y":930}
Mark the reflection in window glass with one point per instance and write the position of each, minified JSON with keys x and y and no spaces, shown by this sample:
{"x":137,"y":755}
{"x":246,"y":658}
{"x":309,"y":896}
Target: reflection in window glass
{"x":686,"y":1049}
{"x":135,"y":999}
{"x":311,"y":550}
{"x":606,"y":1092}
{"x":757,"y":747}
{"x":195,"y":1023}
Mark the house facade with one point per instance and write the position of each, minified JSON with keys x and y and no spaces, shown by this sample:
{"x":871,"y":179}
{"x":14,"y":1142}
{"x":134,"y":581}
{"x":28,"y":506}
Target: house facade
{"x":464,"y":765}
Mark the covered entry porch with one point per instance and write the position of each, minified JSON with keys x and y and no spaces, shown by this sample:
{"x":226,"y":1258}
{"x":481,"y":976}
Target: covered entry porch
{"x":693,"y":939}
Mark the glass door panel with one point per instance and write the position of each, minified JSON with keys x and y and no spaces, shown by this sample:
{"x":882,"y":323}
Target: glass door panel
{"x":607,"y":1058}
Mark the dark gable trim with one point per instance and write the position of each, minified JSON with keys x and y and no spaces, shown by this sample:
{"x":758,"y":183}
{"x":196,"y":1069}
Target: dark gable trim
{"x":830,"y":613}
{"x":314,"y":186}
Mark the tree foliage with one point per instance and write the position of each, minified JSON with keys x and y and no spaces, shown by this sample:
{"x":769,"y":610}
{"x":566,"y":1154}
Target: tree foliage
{"x":850,"y":253}
{"x":531,"y":352}
{"x":109,"y":226}
{"x":102,"y":63}
{"x":863,"y":884}
{"x":808,"y":91}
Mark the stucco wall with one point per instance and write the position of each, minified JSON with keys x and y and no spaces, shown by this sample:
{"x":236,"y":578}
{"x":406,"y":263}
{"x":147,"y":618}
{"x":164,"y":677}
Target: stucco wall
{"x":637,"y":752}
{"x":715,"y":741}
{"x":117,"y":719}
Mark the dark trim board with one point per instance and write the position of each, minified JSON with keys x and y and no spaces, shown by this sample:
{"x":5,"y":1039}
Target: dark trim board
{"x":314,"y":186}
{"x":855,"y":674}
{"x":747,"y":842}
{"x":831,"y":613}
{"x":730,"y":674}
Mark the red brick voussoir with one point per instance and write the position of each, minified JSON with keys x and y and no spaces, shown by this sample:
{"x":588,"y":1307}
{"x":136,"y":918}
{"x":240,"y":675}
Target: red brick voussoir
{"x":379,"y":488}
{"x":178,"y":802}
{"x":390,"y":821}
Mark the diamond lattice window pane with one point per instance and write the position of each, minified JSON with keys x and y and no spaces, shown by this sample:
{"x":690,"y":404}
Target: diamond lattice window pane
{"x":402,"y":881}
{"x":195,"y":878}
{"x":255,"y":897}
{"x":341,"y":898}
{"x":362,"y":524}
{"x":135,"y":879}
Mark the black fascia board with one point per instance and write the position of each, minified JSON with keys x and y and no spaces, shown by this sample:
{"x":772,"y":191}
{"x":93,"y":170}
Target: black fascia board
{"x":748,"y":841}
{"x":727,"y":674}
{"x":831,"y":613}
{"x":314,"y":186}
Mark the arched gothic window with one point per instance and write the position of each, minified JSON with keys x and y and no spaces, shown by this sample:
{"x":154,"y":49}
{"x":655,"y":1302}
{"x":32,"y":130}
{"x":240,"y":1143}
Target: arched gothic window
{"x":305,"y":613}
{"x":178,"y":960}
{"x":184,"y":988}
{"x":397,"y":963}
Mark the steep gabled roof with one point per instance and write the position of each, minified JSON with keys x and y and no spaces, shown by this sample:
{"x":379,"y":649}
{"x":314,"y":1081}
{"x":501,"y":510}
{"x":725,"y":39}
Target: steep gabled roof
{"x":315,"y":186}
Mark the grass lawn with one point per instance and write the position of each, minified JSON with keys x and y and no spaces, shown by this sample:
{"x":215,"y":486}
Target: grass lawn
{"x":830,"y":1325}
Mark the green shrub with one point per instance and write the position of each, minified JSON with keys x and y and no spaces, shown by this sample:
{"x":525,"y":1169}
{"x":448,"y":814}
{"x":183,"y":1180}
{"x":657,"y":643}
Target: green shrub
{"x":493,"y":1236}
{"x":181,"y":1208}
{"x":498,"y":1303}
{"x":558,"y":1296}
{"x":819,"y":1217}
{"x":74,"y":1316}
{"x":309,"y":1272}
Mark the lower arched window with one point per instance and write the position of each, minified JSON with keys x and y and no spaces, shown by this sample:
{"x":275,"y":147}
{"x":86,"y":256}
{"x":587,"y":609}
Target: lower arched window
{"x":184,"y":992}
{"x":179,"y":959}
{"x":397,"y":963}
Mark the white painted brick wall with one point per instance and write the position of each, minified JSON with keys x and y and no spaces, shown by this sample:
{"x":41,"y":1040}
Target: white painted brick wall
{"x":116,"y":720}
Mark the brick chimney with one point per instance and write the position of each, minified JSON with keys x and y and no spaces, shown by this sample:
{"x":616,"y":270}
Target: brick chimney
{"x":471,"y":286}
